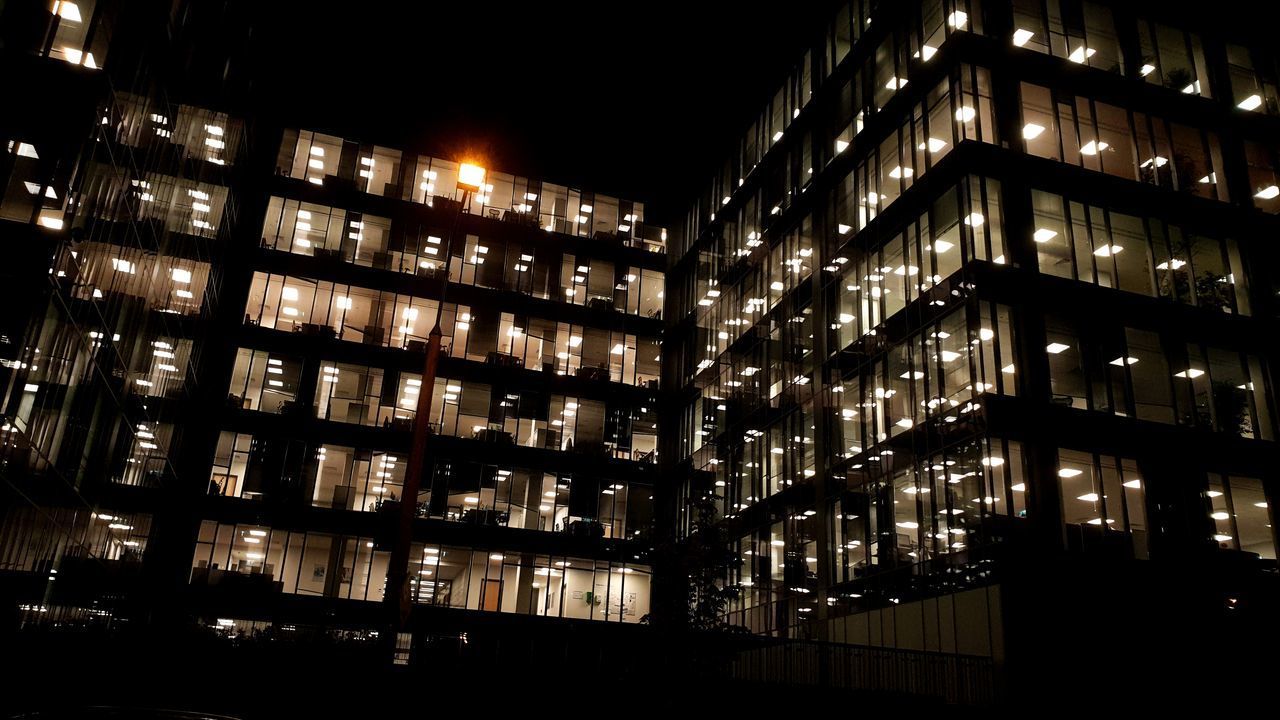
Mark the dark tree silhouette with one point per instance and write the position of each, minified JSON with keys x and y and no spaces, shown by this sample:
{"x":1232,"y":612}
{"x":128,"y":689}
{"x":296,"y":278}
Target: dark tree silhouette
{"x":708,"y":560}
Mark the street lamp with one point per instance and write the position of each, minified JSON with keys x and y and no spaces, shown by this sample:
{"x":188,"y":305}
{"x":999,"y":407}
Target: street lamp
{"x":470,"y":178}
{"x":397,"y":597}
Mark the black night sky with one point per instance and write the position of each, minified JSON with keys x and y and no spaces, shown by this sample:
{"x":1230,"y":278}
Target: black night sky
{"x":637,"y":100}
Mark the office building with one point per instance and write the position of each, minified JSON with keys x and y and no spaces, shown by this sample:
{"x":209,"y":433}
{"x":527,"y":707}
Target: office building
{"x":966,"y":357}
{"x":971,"y":337}
{"x":538,"y":499}
{"x":211,"y":389}
{"x":118,"y":206}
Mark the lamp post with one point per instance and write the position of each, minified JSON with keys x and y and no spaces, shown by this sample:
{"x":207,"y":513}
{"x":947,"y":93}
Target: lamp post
{"x":398,"y":592}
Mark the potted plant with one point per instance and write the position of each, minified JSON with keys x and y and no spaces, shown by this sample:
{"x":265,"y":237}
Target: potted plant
{"x":1178,"y":79}
{"x":1231,"y":406}
{"x":1212,"y":292}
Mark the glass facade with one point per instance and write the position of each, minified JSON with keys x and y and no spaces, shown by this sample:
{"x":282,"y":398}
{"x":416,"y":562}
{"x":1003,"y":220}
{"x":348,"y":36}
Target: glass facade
{"x":197,"y":361}
{"x":385,"y":172}
{"x":543,"y":414}
{"x":984,"y":292}
{"x":1021,"y":316}
{"x":118,"y":200}
{"x":317,"y":564}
